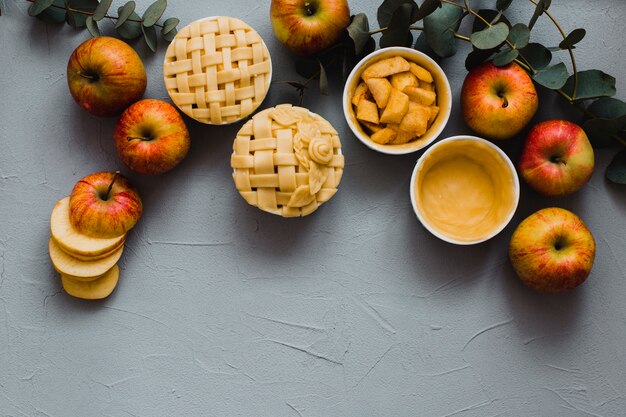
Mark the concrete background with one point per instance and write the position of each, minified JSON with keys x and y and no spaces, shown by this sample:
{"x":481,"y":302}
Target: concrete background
{"x":223,"y":310}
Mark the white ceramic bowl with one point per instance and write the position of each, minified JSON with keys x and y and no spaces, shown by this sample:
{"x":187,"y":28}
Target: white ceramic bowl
{"x":450,"y":166}
{"x":444,"y":99}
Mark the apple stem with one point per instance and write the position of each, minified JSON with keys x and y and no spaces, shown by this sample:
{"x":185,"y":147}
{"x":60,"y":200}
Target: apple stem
{"x":106,"y":196}
{"x":310,"y":11}
{"x":505,"y":102}
{"x":89,"y":77}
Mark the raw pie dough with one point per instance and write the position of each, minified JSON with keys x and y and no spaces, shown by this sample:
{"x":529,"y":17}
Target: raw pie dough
{"x":217,"y":71}
{"x":287,"y":161}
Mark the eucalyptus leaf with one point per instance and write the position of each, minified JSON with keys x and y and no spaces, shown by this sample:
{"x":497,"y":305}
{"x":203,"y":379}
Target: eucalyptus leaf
{"x":573,"y":38}
{"x":519,"y":35}
{"x":128,"y":29}
{"x":124,"y":13}
{"x":537,"y":55}
{"x":53,"y":14}
{"x":490,"y":37}
{"x":323,"y":80}
{"x":149,"y":34}
{"x":602,"y":131}
{"x":477,"y":57}
{"x":39,"y":6}
{"x":502,"y":5}
{"x":421,"y":44}
{"x":553,"y":77}
{"x":169,"y":36}
{"x":79,"y":20}
{"x":92,"y":26}
{"x":101,"y":11}
{"x":608,"y":108}
{"x":439,"y":29}
{"x":490,"y":16}
{"x":388,"y":7}
{"x":427,"y":7}
{"x":169,"y":24}
{"x":616,"y":171}
{"x":398,"y":31}
{"x":154,"y":12}
{"x":542,"y":5}
{"x":358,"y":30}
{"x":505,"y":57}
{"x":591,"y":84}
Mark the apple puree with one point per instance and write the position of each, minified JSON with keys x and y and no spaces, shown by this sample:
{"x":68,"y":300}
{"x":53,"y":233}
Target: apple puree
{"x":465,"y":190}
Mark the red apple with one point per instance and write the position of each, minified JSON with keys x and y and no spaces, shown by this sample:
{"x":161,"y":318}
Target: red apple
{"x":308,"y":26}
{"x":105,"y":75}
{"x":552,"y":250}
{"x":104,"y":205}
{"x":497,"y":102}
{"x":557,"y":158}
{"x":151,"y":137}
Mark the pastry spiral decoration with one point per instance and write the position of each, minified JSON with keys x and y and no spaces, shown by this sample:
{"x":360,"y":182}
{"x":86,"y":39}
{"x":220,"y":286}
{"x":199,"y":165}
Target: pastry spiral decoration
{"x":321,"y":150}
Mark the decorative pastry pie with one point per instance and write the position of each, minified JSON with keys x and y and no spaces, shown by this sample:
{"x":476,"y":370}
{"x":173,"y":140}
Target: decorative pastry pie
{"x":287,"y":161}
{"x":217,"y":70}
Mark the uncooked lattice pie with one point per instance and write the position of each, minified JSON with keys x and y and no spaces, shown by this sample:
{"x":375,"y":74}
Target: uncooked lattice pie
{"x":217,"y":70}
{"x":287,"y":161}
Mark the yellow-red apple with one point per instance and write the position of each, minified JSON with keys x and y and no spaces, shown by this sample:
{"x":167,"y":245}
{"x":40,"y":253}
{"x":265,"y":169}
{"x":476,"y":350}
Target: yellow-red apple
{"x":151,"y":137}
{"x":498,"y":102}
{"x":105,"y":75}
{"x":557,"y":158}
{"x":309,"y":26}
{"x":552,"y":250}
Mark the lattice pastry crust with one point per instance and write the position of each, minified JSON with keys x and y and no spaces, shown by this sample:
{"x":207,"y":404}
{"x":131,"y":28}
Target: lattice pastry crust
{"x":287,"y":161}
{"x":217,"y":71}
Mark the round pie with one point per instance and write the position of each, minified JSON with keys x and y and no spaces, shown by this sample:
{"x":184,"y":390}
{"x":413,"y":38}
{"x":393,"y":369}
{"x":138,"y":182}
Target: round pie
{"x":287,"y":161}
{"x":217,"y":70}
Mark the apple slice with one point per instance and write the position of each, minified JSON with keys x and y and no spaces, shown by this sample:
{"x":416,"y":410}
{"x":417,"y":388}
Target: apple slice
{"x":97,"y":289}
{"x":66,"y":264}
{"x":74,"y":242}
{"x":90,"y":258}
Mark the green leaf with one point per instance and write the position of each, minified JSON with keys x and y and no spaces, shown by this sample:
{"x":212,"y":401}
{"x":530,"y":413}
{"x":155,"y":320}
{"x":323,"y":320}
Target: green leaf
{"x":537,"y":55}
{"x":124,"y":13}
{"x":388,"y":7}
{"x":426,"y":8}
{"x":505,"y":57}
{"x":398,"y":30}
{"x":169,"y":36}
{"x":154,"y":12}
{"x":616,"y":171}
{"x":519,"y":35}
{"x":149,"y":34}
{"x":572,"y":39}
{"x":477,"y":57}
{"x":358,"y":30}
{"x":323,"y":80}
{"x":101,"y":11}
{"x":553,"y":77}
{"x":502,"y":5}
{"x":39,"y":6}
{"x":421,"y":44}
{"x":608,"y":108}
{"x":169,"y":24}
{"x":490,"y":37}
{"x":439,"y":29}
{"x":53,"y":14}
{"x":542,"y":5}
{"x":602,"y":131}
{"x":92,"y":26}
{"x":79,"y":20}
{"x":591,"y":84}
{"x":490,"y":16}
{"x":128,"y":29}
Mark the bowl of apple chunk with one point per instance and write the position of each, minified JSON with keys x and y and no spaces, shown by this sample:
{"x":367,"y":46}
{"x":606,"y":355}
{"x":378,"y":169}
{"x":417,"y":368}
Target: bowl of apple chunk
{"x":397,"y":100}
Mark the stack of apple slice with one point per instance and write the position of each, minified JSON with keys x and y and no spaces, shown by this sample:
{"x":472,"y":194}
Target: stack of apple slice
{"x":87,"y":262}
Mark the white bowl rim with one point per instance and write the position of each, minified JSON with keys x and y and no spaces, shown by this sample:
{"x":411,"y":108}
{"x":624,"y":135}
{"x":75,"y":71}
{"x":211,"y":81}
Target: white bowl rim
{"x":269,"y":81}
{"x":390,"y":150}
{"x":492,"y":146}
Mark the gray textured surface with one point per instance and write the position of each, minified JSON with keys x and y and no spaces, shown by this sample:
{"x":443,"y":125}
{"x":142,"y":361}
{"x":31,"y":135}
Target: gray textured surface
{"x":223,"y":310}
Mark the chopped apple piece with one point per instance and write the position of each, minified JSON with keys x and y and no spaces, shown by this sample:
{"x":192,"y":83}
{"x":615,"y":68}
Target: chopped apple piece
{"x":434,"y":111}
{"x":420,"y":95}
{"x":403,"y":79}
{"x":384,"y":136}
{"x":99,"y":288}
{"x":90,"y":258}
{"x":372,"y":127}
{"x":397,"y":106}
{"x":360,"y":91}
{"x":426,"y":86}
{"x":403,"y":137}
{"x":420,"y":72}
{"x":65,"y":264}
{"x":386,"y":67}
{"x":380,"y":89}
{"x":367,"y":111}
{"x":416,"y":120}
